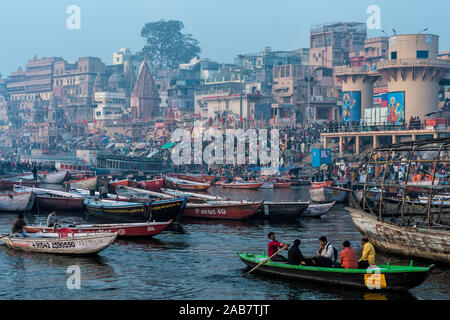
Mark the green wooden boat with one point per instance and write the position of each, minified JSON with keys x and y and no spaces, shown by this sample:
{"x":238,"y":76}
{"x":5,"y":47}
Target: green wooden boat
{"x":382,"y":277}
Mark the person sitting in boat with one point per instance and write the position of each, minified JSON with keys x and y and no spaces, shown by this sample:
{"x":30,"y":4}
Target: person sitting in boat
{"x":347,"y":257}
{"x":295,"y":256}
{"x":17,"y":227}
{"x":51,"y":219}
{"x":325,"y":255}
{"x":103,"y":192}
{"x":368,"y":255}
{"x":273,"y":247}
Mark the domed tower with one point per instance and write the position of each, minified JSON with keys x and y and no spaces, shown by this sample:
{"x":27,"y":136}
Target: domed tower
{"x":144,"y":97}
{"x":413,"y":72}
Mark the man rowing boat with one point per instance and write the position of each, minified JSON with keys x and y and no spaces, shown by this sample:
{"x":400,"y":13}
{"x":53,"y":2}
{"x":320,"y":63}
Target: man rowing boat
{"x":274,"y":246}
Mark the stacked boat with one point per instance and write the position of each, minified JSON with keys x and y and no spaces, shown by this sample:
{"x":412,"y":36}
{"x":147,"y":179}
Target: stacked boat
{"x":53,"y":199}
{"x":327,"y":192}
{"x":185,"y":185}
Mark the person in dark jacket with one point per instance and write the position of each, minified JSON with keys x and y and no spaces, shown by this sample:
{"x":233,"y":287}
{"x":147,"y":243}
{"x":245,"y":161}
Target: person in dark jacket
{"x":17,"y":227}
{"x":295,"y":256}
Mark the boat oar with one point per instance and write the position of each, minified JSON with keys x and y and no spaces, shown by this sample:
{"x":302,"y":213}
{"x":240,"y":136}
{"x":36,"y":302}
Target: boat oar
{"x":264,"y":261}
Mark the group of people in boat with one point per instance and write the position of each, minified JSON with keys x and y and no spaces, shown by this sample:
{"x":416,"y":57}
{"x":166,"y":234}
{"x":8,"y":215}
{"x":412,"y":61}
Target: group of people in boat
{"x":19,"y":224}
{"x":327,"y":255}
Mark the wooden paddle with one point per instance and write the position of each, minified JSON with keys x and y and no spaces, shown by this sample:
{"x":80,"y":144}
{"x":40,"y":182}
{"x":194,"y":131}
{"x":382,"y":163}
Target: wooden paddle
{"x":264,"y":261}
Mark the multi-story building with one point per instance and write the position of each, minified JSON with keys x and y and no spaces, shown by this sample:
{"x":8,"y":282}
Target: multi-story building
{"x":109,"y":105}
{"x":331,"y":44}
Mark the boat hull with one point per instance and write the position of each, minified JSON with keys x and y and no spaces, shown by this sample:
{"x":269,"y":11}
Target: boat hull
{"x":58,"y":203}
{"x":281,"y":210}
{"x":329,"y":194}
{"x":161,"y":211}
{"x":250,"y":186}
{"x":53,"y":178}
{"x":318,"y":210}
{"x":171,"y":184}
{"x":85,"y":184}
{"x":17,"y":201}
{"x":151,"y":185}
{"x":86,"y":245}
{"x":148,"y":229}
{"x":221,"y":211}
{"x":356,"y":278}
{"x":406,"y":241}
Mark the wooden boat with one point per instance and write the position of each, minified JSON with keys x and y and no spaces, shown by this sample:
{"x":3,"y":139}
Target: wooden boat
{"x":87,"y":194}
{"x":52,"y":178}
{"x":317,"y":210}
{"x":52,"y":243}
{"x":189,"y":177}
{"x":267,"y":185}
{"x":225,"y":210}
{"x":321,"y":184}
{"x":127,"y":182}
{"x":186,"y":185}
{"x":297,"y":182}
{"x":192,"y":196}
{"x":241,"y":185}
{"x":159,"y":211}
{"x":212,"y":179}
{"x":151,"y":185}
{"x":281,"y":210}
{"x":124,"y":230}
{"x":140,"y":195}
{"x":329,"y":194}
{"x":382,"y":277}
{"x":54,"y":200}
{"x":280,"y":184}
{"x":422,"y":242}
{"x":86,"y":184}
{"x":16,"y":201}
{"x":9,"y":184}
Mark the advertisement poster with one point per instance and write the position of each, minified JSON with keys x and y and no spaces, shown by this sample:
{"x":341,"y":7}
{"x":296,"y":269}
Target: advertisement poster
{"x":351,"y":106}
{"x":396,"y":105}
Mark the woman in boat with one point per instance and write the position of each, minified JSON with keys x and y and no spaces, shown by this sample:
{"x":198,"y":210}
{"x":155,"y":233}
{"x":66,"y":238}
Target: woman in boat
{"x":368,"y":255}
{"x":273,"y":247}
{"x":347,"y":257}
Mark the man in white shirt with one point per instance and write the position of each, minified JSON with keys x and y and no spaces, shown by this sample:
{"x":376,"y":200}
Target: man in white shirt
{"x":325,"y":255}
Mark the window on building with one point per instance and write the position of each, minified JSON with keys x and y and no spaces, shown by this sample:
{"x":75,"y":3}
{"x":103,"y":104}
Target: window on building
{"x":393,"y":55}
{"x":422,"y":54}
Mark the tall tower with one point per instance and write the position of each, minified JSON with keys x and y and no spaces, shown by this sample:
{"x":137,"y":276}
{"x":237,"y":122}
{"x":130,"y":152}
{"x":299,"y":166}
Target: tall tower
{"x":145,"y":97}
{"x":413,"y":72}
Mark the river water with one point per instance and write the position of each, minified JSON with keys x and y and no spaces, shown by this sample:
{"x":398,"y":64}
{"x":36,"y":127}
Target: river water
{"x":201,"y":264}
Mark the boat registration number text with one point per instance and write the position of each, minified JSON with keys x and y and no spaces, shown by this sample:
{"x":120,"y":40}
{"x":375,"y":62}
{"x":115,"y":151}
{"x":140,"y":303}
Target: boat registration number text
{"x":53,"y":245}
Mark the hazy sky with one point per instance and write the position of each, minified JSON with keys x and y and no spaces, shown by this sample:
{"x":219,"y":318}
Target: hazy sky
{"x":224,"y":28}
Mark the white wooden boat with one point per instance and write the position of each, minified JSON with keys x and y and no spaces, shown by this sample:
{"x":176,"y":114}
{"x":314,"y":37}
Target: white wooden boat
{"x":50,"y":243}
{"x":86,"y":184}
{"x":86,"y":194}
{"x":53,"y":199}
{"x":53,"y":178}
{"x":317,"y":210}
{"x":16,"y":201}
{"x":329,"y":194}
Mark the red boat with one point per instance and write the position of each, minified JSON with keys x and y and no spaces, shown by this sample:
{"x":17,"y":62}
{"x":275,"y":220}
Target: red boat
{"x":321,"y":184}
{"x":151,"y":185}
{"x":147,"y":229}
{"x":240,"y":185}
{"x":178,"y":184}
{"x":211,"y":179}
{"x":189,"y":177}
{"x":281,"y":184}
{"x":9,"y":184}
{"x":126,"y":182}
{"x":225,"y":210}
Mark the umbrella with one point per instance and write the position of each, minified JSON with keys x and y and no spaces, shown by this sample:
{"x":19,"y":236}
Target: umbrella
{"x":168,"y":145}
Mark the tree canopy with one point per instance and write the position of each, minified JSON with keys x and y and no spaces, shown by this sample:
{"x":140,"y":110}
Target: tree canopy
{"x":166,"y":46}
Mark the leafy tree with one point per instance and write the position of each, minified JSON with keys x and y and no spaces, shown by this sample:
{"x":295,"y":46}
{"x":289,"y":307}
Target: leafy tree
{"x":166,"y":46}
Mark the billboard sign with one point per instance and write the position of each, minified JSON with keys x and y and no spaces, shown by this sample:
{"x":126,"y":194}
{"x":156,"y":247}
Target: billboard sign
{"x":351,"y":106}
{"x":396,"y":108}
